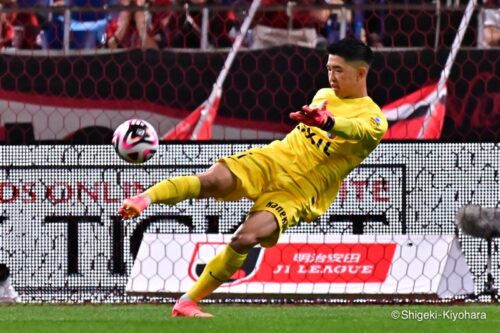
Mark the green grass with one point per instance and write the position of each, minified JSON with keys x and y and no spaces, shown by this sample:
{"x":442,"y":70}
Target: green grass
{"x":144,"y":318}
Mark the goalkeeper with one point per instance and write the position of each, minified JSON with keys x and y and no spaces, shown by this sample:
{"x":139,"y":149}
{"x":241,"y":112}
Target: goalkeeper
{"x":289,"y":180}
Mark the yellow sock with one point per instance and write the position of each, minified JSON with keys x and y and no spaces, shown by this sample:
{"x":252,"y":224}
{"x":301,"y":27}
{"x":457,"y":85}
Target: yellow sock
{"x":217,"y":271}
{"x":174,"y":190}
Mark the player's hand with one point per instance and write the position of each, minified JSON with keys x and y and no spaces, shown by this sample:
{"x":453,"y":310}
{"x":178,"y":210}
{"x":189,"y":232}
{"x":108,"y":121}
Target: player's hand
{"x":316,"y":117}
{"x":133,"y":207}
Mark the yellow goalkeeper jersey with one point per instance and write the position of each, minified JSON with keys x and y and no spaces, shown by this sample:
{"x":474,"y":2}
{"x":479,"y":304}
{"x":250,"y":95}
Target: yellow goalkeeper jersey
{"x":298,"y":178}
{"x":326,"y":159}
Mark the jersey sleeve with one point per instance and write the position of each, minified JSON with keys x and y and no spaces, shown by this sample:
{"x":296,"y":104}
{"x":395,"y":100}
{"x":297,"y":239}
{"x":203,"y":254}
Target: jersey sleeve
{"x":368,"y":127}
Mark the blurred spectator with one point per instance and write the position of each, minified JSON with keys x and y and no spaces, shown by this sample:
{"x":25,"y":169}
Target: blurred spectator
{"x":223,"y":24}
{"x":160,"y":21}
{"x":27,"y":30}
{"x":300,"y":28}
{"x":491,"y":26}
{"x":21,"y":28}
{"x":374,"y":24}
{"x":7,"y":31}
{"x":338,"y":23}
{"x":186,"y":27}
{"x":234,"y":19}
{"x":52,"y":27}
{"x":371,"y":39}
{"x":91,"y":15}
{"x":130,"y":29}
{"x":347,"y":23}
{"x":87,"y":28}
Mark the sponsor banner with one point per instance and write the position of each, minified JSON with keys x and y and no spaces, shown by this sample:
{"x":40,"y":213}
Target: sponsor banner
{"x":305,"y":264}
{"x":325,"y":263}
{"x":60,"y":233}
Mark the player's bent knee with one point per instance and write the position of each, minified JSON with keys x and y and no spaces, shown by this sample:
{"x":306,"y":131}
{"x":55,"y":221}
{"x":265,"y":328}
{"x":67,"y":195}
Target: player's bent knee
{"x":243,"y":242}
{"x":269,"y":241}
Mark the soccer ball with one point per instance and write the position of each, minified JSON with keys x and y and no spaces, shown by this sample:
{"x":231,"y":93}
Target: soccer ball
{"x":135,"y":141}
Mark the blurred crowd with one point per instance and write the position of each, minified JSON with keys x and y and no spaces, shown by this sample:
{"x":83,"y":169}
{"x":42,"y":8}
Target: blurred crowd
{"x":157,"y":24}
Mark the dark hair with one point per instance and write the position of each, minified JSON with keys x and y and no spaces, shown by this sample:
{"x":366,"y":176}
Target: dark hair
{"x":351,"y":50}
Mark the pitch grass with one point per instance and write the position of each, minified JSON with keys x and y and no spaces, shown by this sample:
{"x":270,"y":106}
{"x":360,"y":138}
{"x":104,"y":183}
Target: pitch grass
{"x":143,"y":318}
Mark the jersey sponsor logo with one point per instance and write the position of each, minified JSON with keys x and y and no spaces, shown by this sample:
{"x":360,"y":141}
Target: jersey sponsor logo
{"x":281,"y":212}
{"x":319,"y":143}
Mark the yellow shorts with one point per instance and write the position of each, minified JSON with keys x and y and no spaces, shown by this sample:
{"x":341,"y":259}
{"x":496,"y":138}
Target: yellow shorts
{"x":262,"y":178}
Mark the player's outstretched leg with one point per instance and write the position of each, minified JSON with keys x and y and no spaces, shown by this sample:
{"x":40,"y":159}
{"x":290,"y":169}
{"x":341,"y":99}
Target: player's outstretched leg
{"x":217,"y":181}
{"x":169,"y":191}
{"x":217,"y":271}
{"x":259,"y":227}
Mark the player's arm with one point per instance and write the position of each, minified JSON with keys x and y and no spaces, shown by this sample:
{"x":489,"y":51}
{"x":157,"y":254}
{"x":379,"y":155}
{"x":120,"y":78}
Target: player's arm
{"x":350,"y":129}
{"x":358,"y":128}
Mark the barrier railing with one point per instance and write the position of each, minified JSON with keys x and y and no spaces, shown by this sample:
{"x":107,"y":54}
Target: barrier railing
{"x":213,"y":26}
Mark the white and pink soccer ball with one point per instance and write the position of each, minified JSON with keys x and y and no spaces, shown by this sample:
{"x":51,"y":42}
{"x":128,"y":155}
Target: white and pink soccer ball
{"x":135,"y":141}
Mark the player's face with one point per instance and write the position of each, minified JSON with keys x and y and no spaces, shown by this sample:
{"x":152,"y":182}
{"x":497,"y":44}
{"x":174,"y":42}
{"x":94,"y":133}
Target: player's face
{"x":343,"y":77}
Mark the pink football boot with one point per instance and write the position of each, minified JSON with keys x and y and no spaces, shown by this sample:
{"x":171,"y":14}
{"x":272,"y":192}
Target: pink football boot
{"x":188,"y":308}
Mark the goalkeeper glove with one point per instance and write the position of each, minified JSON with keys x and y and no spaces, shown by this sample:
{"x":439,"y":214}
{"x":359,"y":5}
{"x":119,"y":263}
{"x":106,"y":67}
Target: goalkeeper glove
{"x":316,"y":117}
